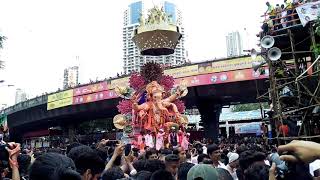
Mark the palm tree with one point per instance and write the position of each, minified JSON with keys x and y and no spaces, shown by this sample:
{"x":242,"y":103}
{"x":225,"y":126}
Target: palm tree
{"x":2,"y":38}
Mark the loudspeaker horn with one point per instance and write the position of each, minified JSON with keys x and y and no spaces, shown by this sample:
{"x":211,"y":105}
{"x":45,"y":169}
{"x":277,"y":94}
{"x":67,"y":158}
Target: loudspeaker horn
{"x":257,"y":65}
{"x":274,"y":54}
{"x":267,"y":42}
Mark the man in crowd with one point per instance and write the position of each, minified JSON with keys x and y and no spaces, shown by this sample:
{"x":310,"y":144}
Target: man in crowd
{"x":172,"y":164}
{"x":214,"y":153}
{"x":181,"y":153}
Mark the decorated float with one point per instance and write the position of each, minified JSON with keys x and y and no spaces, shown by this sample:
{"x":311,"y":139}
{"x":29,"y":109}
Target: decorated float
{"x":151,"y":114}
{"x":151,"y":110}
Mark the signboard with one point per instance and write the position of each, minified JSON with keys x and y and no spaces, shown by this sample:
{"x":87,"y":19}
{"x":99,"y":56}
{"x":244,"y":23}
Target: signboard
{"x":182,"y":71}
{"x":308,"y":12}
{"x":60,"y":95}
{"x":102,"y":86}
{"x":223,"y":77}
{"x":250,"y":128}
{"x":94,"y":97}
{"x":119,"y":82}
{"x":59,"y":103}
{"x":234,"y":64}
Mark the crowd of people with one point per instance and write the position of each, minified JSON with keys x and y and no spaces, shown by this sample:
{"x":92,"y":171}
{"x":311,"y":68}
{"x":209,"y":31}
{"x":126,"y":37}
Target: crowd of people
{"x":227,"y":159}
{"x":282,"y":16}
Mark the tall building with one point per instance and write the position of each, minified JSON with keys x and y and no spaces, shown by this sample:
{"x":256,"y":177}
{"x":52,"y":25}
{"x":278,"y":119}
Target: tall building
{"x":132,"y":59}
{"x":234,"y":44}
{"x":71,"y":77}
{"x":20,"y":96}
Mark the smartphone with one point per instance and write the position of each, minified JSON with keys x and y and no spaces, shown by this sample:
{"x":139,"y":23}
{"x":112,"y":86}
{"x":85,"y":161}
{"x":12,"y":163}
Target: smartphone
{"x":127,"y":149}
{"x":4,"y":155}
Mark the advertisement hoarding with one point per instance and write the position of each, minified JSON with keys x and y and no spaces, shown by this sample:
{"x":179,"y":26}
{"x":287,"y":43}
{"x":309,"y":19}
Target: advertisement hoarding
{"x":60,"y":95}
{"x":59,"y":103}
{"x":102,"y":86}
{"x":182,"y":71}
{"x":223,"y":77}
{"x":94,"y":97}
{"x":122,"y":82}
{"x":250,"y":128}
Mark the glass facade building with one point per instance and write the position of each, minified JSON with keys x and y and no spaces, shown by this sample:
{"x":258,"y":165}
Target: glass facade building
{"x":135,"y":10}
{"x":170,"y":9}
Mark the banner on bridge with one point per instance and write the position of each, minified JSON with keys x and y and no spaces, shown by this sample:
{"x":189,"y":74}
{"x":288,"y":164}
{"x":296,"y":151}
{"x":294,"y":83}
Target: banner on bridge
{"x":93,"y":88}
{"x":223,"y":77}
{"x":182,"y":71}
{"x":122,"y":82}
{"x":94,"y":97}
{"x":60,"y":95}
{"x":234,"y":64}
{"x":60,"y":103}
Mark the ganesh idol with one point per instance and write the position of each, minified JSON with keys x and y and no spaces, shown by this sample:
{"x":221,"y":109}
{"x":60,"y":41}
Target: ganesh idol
{"x":157,"y":111}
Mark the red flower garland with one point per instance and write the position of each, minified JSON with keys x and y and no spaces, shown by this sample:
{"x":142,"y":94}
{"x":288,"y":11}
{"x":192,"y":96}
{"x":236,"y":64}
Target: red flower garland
{"x":180,"y":105}
{"x":125,"y":106}
{"x":167,"y":82}
{"x":136,"y":81}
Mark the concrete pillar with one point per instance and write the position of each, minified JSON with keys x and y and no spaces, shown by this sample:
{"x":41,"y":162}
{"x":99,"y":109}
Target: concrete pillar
{"x":69,"y":132}
{"x":210,"y":114}
{"x":227,"y":128}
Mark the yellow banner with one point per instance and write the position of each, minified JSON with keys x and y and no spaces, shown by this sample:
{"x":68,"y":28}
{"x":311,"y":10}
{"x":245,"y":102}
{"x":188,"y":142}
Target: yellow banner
{"x":182,"y":71}
{"x":122,"y":82}
{"x":60,"y":103}
{"x":234,"y":64}
{"x":60,"y":95}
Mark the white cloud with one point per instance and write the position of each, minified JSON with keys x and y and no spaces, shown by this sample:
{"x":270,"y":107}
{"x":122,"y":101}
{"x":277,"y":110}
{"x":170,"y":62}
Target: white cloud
{"x":45,"y":36}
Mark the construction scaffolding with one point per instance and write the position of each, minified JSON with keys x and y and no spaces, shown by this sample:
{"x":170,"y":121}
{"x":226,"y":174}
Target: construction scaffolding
{"x":294,"y":79}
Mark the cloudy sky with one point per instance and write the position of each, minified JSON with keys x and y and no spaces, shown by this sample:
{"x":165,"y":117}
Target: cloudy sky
{"x":46,"y":36}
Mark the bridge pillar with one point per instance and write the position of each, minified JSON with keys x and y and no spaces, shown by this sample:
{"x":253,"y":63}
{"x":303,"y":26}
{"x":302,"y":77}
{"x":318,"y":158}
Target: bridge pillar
{"x":69,"y":132}
{"x":210,"y":113}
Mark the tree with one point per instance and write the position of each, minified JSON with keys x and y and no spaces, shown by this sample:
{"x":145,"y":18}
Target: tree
{"x":248,"y":107}
{"x":2,"y":38}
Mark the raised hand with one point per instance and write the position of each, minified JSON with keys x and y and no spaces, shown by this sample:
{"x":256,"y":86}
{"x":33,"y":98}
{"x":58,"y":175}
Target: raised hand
{"x":305,"y":151}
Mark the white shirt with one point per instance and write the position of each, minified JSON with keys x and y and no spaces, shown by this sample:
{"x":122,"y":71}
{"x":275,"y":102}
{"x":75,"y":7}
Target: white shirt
{"x":149,"y":140}
{"x":314,"y":166}
{"x":204,"y":149}
{"x":221,"y":165}
{"x":232,"y":173}
{"x":194,"y":159}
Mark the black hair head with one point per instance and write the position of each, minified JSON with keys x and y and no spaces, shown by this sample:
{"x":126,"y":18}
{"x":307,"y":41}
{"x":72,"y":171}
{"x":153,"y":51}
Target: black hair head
{"x":75,"y":152}
{"x":89,"y":160}
{"x":53,"y":166}
{"x":161,"y":175}
{"x":24,"y":162}
{"x":150,"y":152}
{"x":183,"y":170}
{"x":143,"y":175}
{"x":154,"y":165}
{"x":113,"y":174}
{"x":172,"y":158}
{"x":211,"y":148}
{"x":139,"y":165}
